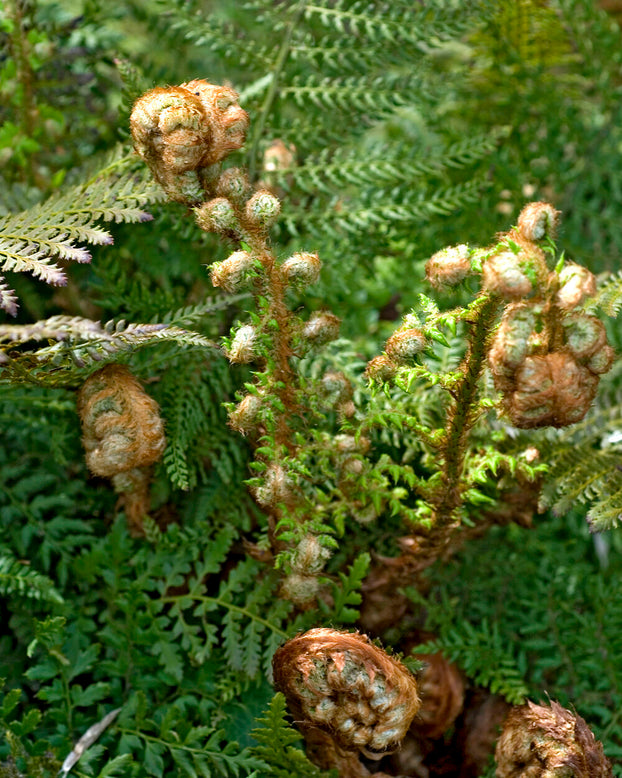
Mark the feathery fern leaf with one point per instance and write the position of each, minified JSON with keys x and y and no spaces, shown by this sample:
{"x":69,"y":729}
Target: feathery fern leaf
{"x":17,"y":577}
{"x":30,"y":241}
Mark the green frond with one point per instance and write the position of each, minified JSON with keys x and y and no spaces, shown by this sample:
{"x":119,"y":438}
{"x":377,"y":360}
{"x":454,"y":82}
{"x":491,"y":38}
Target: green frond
{"x":276,"y":738}
{"x":32,"y":240}
{"x":608,"y":297}
{"x":483,"y":655}
{"x":17,"y":578}
{"x":81,"y":343}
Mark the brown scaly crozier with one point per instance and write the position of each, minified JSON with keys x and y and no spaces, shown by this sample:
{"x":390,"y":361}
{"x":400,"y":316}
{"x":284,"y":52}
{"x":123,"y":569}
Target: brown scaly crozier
{"x":539,"y":741}
{"x":347,"y":696}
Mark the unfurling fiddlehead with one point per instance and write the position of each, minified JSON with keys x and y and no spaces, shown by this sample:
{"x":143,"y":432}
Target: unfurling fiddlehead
{"x":183,"y":131}
{"x":546,"y":357}
{"x":341,"y":684}
{"x":549,"y":742}
{"x":123,"y":435}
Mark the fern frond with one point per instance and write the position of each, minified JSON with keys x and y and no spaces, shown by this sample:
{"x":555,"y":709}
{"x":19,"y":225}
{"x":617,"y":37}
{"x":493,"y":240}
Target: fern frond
{"x":81,"y":343}
{"x":608,"y":297}
{"x":384,"y":166}
{"x":441,"y":202}
{"x":276,"y":739}
{"x":32,"y":239}
{"x":17,"y":577}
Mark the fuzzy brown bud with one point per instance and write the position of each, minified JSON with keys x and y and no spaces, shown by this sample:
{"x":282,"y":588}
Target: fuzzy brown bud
{"x":183,"y":130}
{"x":575,"y":284}
{"x":310,"y":556}
{"x":263,"y":209}
{"x":512,"y":275}
{"x":449,"y":266}
{"x":601,"y":361}
{"x":551,"y":390}
{"x":121,"y":424}
{"x":381,"y":369}
{"x":276,"y":487}
{"x":339,"y":682}
{"x":322,"y":327}
{"x":217,"y":215}
{"x":244,"y":417}
{"x":584,"y":335}
{"x":278,"y":156}
{"x":404,"y":345}
{"x":511,"y":342}
{"x":302,"y":269}
{"x":336,"y":386}
{"x":441,"y":687}
{"x":231,"y":273}
{"x":300,"y":589}
{"x":233,"y":184}
{"x":549,"y":742}
{"x":537,"y":221}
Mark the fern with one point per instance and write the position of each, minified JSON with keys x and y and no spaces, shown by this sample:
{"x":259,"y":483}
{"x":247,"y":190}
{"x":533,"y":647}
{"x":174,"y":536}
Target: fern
{"x":81,"y":343}
{"x":30,"y":241}
{"x":608,"y":297}
{"x":276,"y":739}
{"x":17,"y":578}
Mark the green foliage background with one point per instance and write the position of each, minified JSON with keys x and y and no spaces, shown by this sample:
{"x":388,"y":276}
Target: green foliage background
{"x":416,"y":126}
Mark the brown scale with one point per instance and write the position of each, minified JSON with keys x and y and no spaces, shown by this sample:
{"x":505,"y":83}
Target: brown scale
{"x":541,"y":741}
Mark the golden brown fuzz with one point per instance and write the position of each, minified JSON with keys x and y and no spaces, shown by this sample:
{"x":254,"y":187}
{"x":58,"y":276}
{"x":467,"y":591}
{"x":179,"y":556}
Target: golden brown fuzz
{"x":123,"y":434}
{"x":341,"y":683}
{"x":541,"y":741}
{"x":181,"y":131}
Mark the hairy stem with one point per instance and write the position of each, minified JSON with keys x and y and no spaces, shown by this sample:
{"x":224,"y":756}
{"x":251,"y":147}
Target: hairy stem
{"x":464,"y":413}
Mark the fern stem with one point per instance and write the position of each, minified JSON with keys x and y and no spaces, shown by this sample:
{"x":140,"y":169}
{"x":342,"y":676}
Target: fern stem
{"x":274,"y":87}
{"x":464,"y":413}
{"x":230,"y":606}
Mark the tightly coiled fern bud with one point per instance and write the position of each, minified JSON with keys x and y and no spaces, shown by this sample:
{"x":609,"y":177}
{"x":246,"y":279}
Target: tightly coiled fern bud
{"x":341,"y":683}
{"x":231,"y":273}
{"x":123,"y":435}
{"x":515,"y":275}
{"x":181,"y":131}
{"x":537,"y":221}
{"x":449,"y":266}
{"x":549,"y":742}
